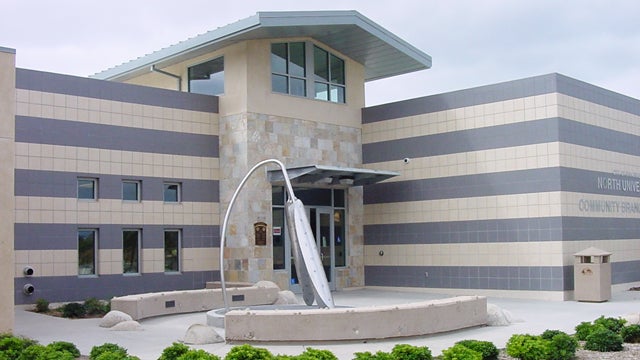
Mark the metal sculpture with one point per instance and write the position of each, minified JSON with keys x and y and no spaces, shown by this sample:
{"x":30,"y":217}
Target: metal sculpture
{"x":305,"y":252}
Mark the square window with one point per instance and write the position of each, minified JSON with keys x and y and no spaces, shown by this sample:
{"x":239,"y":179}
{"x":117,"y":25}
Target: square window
{"x":131,"y":251}
{"x":87,"y":189}
{"x":172,"y":192}
{"x":130,"y":190}
{"x":87,"y":251}
{"x":172,"y":250}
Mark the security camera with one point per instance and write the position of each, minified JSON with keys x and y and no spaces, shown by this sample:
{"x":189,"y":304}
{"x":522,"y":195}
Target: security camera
{"x":406,"y":160}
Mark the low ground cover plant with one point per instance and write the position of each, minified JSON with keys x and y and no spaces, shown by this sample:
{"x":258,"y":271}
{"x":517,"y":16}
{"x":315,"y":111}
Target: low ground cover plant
{"x":91,"y":307}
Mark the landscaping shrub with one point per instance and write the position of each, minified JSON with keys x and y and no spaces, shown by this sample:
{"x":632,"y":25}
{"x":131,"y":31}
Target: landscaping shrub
{"x":65,"y":346}
{"x":610,"y":323}
{"x":380,"y":355}
{"x":42,"y":306}
{"x":73,"y":310}
{"x":631,"y":333}
{"x":488,"y":350}
{"x":94,"y":306}
{"x":248,"y":352}
{"x":39,"y":352}
{"x":583,"y":330}
{"x":174,"y":351}
{"x":603,"y":340}
{"x":12,"y":346}
{"x":198,"y":355}
{"x":460,"y":352}
{"x":98,"y":350}
{"x":316,"y":354}
{"x":410,"y":352}
{"x":563,"y":346}
{"x":116,"y":356}
{"x":528,"y":347}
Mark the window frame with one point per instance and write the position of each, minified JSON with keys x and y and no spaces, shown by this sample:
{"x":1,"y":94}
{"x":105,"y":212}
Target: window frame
{"x":95,"y":249}
{"x":189,"y":85}
{"x":178,"y":192}
{"x":138,"y":184}
{"x":310,"y":78}
{"x":91,"y":180}
{"x":138,"y":250}
{"x":177,"y":256}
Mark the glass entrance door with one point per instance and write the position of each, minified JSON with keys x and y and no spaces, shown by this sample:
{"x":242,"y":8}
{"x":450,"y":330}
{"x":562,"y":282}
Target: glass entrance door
{"x":322,"y":224}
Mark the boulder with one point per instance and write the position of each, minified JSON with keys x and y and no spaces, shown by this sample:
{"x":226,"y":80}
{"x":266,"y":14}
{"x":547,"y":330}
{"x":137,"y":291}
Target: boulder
{"x":199,"y":334}
{"x":114,"y":317}
{"x":266,"y":284}
{"x":287,"y":297}
{"x":499,"y":317}
{"x":130,"y":325}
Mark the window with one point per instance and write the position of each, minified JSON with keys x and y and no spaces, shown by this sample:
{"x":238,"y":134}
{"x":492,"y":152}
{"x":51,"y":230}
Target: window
{"x":172,"y":250}
{"x":207,"y":78}
{"x":87,"y":250}
{"x":130,"y":190}
{"x":171,"y":192}
{"x":289,"y":75}
{"x":87,"y":189}
{"x":131,"y":251}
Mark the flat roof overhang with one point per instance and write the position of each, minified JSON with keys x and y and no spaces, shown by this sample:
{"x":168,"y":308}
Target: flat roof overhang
{"x":382,"y":53}
{"x":329,"y":176}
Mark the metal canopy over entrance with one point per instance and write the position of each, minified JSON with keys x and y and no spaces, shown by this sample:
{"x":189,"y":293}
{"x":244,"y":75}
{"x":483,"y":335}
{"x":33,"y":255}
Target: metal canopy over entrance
{"x":322,"y":175}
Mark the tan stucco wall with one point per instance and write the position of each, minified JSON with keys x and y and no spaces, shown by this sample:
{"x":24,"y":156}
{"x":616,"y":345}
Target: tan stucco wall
{"x":7,"y":148}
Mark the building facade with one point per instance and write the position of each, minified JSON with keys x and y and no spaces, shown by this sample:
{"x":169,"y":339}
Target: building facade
{"x":122,"y":180}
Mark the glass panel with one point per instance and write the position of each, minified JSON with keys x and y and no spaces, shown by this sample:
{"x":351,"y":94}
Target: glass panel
{"x":130,"y":251}
{"x":279,"y":58}
{"x":338,"y":198}
{"x":317,"y":197}
{"x":279,"y":84}
{"x":337,"y":70}
{"x":298,"y":87}
{"x":337,"y":94}
{"x":339,"y":233}
{"x":322,"y":91}
{"x":86,"y":252}
{"x":323,"y":240}
{"x":171,"y":251}
{"x":278,"y":239}
{"x":130,"y":190}
{"x":296,"y":60}
{"x":86,"y":189}
{"x":320,"y":68}
{"x":207,"y":78}
{"x":171,"y":193}
{"x":277,"y":195}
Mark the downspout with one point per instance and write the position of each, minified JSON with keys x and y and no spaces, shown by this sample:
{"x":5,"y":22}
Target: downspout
{"x":179,"y":78}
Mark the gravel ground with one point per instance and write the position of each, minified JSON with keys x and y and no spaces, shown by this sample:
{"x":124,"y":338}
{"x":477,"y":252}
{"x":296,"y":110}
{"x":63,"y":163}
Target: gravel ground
{"x":630,"y":352}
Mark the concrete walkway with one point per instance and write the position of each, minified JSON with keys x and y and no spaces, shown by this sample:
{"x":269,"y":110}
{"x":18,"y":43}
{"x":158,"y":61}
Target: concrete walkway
{"x":535,"y":315}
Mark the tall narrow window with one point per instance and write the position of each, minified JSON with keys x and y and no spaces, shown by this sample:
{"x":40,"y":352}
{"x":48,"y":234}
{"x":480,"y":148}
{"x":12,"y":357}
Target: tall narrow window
{"x":329,"y":76}
{"x":131,"y":251}
{"x":87,"y":250}
{"x":87,"y":189}
{"x":130,"y":190}
{"x":207,"y":78}
{"x":172,"y":250}
{"x":171,"y":192}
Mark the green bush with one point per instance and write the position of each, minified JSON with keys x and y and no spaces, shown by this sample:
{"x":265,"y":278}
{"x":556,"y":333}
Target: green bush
{"x":39,"y":352}
{"x":65,"y":346}
{"x":460,"y":352}
{"x":410,"y":352}
{"x":98,"y":350}
{"x":94,"y":306}
{"x":610,"y":323}
{"x":488,"y":350}
{"x":198,"y":355}
{"x":42,"y":306}
{"x":528,"y":347}
{"x":116,"y":355}
{"x":631,"y":333}
{"x":583,"y":330}
{"x":248,"y":352}
{"x":380,"y":355}
{"x":316,"y":354}
{"x":73,"y":310}
{"x":563,"y":346}
{"x":12,"y":346}
{"x":174,"y":351}
{"x":603,"y":340}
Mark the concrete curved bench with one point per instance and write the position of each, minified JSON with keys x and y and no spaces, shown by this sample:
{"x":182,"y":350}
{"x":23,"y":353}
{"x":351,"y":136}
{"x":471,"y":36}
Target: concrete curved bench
{"x":373,"y":322}
{"x":146,"y":305}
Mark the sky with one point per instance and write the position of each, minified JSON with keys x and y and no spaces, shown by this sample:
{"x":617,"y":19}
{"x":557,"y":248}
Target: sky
{"x":472,"y":42}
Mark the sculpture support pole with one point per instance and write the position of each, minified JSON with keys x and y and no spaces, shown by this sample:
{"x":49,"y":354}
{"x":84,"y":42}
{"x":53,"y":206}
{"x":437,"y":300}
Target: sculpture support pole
{"x":227,"y":215}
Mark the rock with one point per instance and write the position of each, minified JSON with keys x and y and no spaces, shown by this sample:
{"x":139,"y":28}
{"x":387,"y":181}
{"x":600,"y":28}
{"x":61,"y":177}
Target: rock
{"x":199,"y":334}
{"x":130,"y":325}
{"x":266,"y":284}
{"x":499,"y":317}
{"x":286,"y":297}
{"x":114,"y":317}
{"x":632,"y":319}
